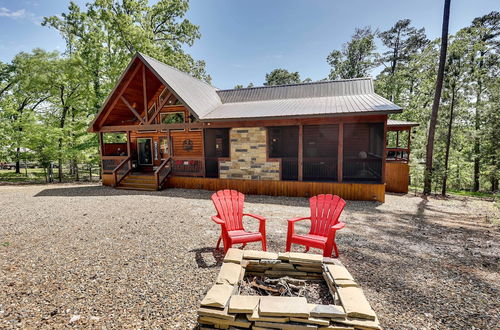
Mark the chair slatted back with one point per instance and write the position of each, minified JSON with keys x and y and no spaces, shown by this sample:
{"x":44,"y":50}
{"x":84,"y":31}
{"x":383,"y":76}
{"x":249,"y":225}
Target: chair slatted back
{"x":229,"y":206}
{"x":325,"y":212}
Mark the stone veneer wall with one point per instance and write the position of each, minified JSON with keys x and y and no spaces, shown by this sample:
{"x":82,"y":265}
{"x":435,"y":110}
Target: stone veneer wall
{"x":249,"y":156}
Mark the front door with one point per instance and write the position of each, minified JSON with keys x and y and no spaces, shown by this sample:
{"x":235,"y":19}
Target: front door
{"x":144,"y":151}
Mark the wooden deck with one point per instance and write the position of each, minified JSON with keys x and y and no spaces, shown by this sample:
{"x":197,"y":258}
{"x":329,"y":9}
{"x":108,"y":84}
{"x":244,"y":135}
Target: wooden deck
{"x":350,"y":191}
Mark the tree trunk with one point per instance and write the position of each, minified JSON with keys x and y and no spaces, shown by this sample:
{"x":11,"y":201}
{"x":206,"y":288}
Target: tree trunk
{"x":59,"y":164}
{"x":477,"y":127}
{"x":18,"y":161}
{"x":448,"y":142}
{"x":75,"y":169}
{"x":50,"y":173}
{"x":437,"y":98}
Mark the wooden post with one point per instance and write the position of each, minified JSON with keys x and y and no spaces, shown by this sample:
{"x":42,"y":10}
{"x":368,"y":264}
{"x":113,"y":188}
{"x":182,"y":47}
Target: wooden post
{"x":101,"y":152}
{"x":384,"y":154}
{"x":397,"y":139}
{"x":340,"y":152}
{"x":203,"y":150}
{"x":301,"y":152}
{"x":408,"y":146}
{"x":129,"y":154}
{"x":144,"y":92}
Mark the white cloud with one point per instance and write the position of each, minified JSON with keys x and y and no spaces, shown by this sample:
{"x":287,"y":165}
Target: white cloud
{"x":19,"y":14}
{"x":5,"y":12}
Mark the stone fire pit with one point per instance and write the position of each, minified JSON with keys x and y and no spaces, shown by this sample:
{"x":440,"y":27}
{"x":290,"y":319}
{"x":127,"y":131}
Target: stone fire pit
{"x":265,"y":290}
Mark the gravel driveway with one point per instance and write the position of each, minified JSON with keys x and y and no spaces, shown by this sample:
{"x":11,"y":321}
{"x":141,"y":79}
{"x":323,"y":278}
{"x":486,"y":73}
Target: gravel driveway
{"x":91,"y":256}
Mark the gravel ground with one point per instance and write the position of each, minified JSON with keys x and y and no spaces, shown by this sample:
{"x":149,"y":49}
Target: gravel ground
{"x":89,"y":256}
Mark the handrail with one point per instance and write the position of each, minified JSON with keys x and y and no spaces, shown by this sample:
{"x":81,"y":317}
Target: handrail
{"x":115,"y":171}
{"x":159,"y":181}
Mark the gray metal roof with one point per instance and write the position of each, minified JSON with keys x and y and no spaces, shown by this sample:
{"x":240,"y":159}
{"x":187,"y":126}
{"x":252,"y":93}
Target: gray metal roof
{"x":197,"y":95}
{"x":350,"y":104}
{"x":392,"y":122}
{"x":350,"y":96}
{"x":298,"y":91}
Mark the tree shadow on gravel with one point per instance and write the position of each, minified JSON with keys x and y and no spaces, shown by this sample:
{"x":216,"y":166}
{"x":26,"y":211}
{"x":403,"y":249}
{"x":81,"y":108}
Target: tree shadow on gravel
{"x":197,"y":194}
{"x":392,"y":277}
{"x":200,"y":256}
{"x":85,"y":191}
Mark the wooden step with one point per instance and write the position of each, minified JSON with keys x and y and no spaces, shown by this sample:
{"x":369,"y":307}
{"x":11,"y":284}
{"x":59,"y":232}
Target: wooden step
{"x":140,"y":177}
{"x":133,"y":180}
{"x":138,"y":185}
{"x":135,"y":188}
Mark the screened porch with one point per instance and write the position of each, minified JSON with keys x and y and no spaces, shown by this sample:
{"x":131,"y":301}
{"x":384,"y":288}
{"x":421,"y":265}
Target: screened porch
{"x":345,"y":152}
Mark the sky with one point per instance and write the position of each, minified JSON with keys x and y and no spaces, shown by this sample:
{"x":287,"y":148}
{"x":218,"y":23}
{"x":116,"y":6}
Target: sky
{"x":243,"y":40}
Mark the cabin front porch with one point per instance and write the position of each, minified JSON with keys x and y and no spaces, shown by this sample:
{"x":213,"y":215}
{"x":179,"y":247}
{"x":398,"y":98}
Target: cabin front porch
{"x":343,"y":156}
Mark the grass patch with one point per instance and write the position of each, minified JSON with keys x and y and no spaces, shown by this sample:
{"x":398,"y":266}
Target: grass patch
{"x":37,"y":175}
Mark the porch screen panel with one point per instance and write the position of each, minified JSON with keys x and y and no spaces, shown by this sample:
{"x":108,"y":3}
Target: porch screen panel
{"x":363,"y":152}
{"x":320,"y":154}
{"x":283,"y":142}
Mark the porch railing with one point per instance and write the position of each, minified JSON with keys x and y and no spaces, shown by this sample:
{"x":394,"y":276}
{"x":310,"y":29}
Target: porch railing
{"x":397,"y":154}
{"x":320,"y":169}
{"x":109,"y":163}
{"x":163,"y":171}
{"x":362,"y":170}
{"x":186,"y":166}
{"x":122,"y":170}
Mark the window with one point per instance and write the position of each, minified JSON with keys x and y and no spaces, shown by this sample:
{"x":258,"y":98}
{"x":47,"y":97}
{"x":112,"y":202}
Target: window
{"x":172,"y":118}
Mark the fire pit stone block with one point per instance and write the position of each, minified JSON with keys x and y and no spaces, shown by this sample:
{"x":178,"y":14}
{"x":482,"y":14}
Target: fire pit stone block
{"x":223,"y":307}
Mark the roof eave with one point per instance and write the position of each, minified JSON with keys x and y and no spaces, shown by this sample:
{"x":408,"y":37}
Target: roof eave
{"x":342,"y":114}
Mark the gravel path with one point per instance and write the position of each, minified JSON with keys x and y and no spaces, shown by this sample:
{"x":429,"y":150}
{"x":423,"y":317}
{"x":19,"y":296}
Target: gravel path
{"x":90,"y":256}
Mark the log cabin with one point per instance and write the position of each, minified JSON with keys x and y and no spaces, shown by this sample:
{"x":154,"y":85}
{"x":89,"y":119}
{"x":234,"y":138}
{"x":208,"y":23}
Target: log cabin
{"x":160,"y":128}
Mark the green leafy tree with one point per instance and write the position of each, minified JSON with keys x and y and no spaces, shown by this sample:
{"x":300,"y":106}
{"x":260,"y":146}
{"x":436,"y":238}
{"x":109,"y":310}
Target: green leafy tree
{"x":402,"y":43}
{"x":30,"y":86}
{"x":356,"y":58}
{"x":108,"y":32}
{"x":484,"y":33}
{"x":281,"y":77}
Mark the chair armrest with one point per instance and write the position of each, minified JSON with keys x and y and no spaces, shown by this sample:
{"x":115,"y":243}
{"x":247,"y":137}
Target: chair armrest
{"x":218,"y":220}
{"x":258,"y":217}
{"x":298,"y":219}
{"x":338,"y":226}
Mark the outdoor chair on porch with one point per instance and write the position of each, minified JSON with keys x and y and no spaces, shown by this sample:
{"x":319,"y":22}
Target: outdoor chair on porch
{"x":325,"y":213}
{"x":229,"y":206}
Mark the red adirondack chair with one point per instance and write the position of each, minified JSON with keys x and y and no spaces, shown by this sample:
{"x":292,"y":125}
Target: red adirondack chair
{"x":325,"y":213}
{"x":229,"y":206}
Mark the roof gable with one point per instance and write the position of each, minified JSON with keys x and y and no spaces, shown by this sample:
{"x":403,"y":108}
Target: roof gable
{"x":199,"y":96}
